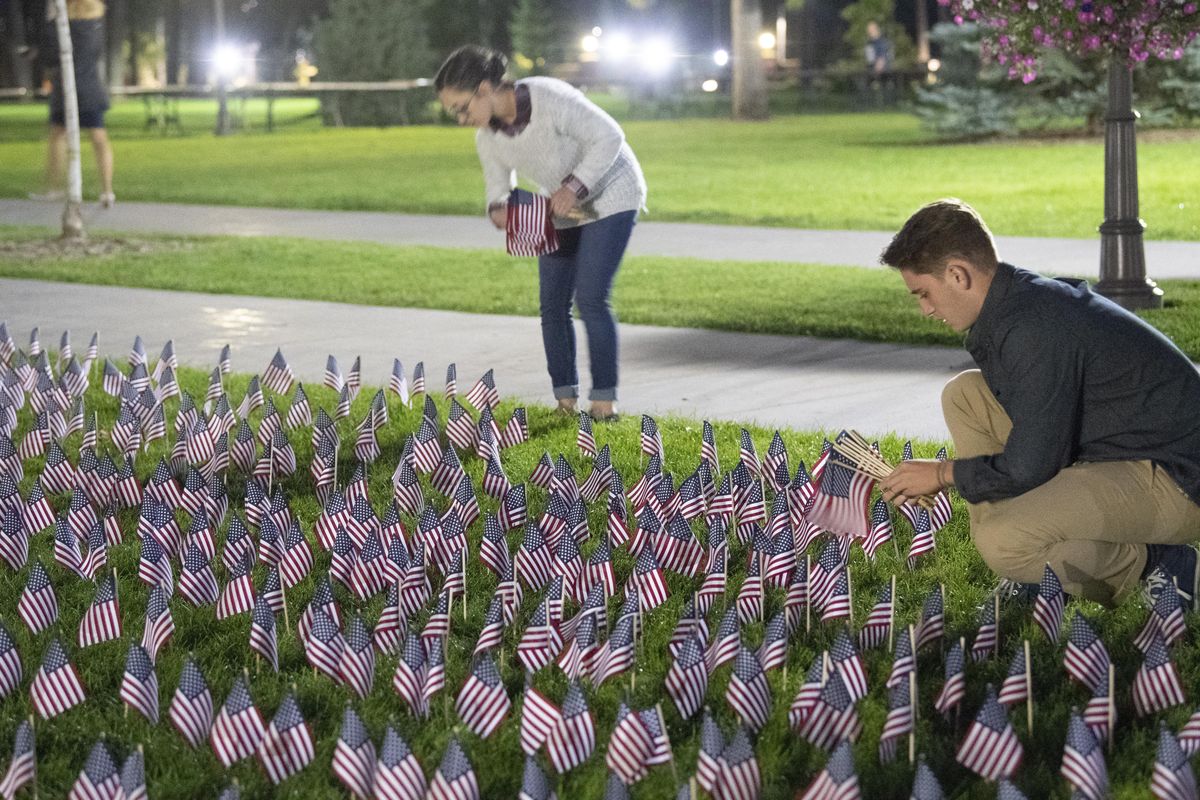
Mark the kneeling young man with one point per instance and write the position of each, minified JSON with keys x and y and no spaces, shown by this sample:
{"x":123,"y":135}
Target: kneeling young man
{"x":1077,"y":438}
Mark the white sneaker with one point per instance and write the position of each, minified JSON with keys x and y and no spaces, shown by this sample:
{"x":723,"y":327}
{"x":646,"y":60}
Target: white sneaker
{"x":107,"y":199}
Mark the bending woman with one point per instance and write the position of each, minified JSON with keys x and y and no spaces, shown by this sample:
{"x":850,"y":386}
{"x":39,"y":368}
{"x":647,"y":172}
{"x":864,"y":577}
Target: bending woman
{"x":549,"y":133}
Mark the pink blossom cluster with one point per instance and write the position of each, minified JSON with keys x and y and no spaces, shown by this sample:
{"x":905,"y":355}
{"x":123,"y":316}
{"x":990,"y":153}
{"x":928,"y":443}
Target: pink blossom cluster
{"x":1138,"y":29}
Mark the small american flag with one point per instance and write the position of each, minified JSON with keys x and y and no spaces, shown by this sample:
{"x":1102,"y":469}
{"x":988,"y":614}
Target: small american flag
{"x":955,"y":687}
{"x":483,"y":703}
{"x":926,"y":785}
{"x":573,"y":738}
{"x":617,"y":654}
{"x":687,"y":678}
{"x":287,"y":745}
{"x":192,"y":707}
{"x":838,"y":781}
{"x":987,"y":637}
{"x":11,"y":671}
{"x":357,"y":665}
{"x":1156,"y":686}
{"x":56,"y":687}
{"x":772,"y":653}
{"x":455,"y":778}
{"x":139,"y":686}
{"x":629,"y":747}
{"x":739,"y":777}
{"x":398,"y":774}
{"x":534,"y":783}
{"x":354,"y":755}
{"x":899,"y":722}
{"x":991,"y":748}
{"x":133,"y":777}
{"x":1015,"y":688}
{"x":712,"y":744}
{"x":878,"y":625}
{"x":484,"y":393}
{"x":1048,"y":607}
{"x":833,"y":717}
{"x":1166,"y":617}
{"x":1173,"y":778}
{"x":262,"y":632}
{"x":748,"y":693}
{"x":23,"y":767}
{"x":724,"y":646}
{"x":1083,"y":760}
{"x":529,"y":230}
{"x":99,"y":779}
{"x":933,"y":619}
{"x":38,"y":606}
{"x":849,"y":665}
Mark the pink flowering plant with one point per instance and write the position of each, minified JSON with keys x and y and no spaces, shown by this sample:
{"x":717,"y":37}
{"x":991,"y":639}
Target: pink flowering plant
{"x":1018,"y":30}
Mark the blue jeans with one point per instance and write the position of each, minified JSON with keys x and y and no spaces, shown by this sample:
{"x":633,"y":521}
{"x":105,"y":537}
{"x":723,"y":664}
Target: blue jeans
{"x":583,"y":269}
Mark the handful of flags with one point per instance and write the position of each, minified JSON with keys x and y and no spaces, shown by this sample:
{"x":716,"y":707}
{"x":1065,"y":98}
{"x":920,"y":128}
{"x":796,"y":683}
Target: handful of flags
{"x":529,"y":230}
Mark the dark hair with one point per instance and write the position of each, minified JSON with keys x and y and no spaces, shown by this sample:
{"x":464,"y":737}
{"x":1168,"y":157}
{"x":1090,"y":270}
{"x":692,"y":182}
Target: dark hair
{"x":940,"y":231}
{"x":469,"y":66}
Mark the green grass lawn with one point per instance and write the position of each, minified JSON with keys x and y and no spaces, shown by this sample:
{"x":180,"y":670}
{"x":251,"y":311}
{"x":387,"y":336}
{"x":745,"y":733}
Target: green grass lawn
{"x":855,"y":171}
{"x":787,"y":762}
{"x":813,"y":300}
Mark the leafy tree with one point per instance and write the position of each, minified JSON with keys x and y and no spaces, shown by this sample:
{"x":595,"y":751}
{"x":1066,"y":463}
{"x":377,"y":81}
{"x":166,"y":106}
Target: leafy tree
{"x":374,"y":40}
{"x":538,"y":38}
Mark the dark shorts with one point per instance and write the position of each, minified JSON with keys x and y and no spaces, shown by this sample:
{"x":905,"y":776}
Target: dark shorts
{"x":92,"y":118}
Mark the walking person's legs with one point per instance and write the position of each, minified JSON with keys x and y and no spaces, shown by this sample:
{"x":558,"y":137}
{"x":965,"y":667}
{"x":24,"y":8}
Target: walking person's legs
{"x":102,"y":149}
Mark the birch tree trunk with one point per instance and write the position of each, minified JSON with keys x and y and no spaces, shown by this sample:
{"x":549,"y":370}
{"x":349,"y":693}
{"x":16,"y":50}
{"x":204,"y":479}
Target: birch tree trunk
{"x":72,"y":219}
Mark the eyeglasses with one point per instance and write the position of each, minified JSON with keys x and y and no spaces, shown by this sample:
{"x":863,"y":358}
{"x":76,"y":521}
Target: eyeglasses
{"x":461,"y":110}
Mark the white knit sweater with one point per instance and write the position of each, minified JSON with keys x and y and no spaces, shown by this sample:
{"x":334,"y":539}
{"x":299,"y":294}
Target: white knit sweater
{"x":567,"y":135}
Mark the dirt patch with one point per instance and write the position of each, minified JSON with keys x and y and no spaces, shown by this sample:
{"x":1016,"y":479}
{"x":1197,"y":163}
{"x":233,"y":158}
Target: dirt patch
{"x":92,"y":247}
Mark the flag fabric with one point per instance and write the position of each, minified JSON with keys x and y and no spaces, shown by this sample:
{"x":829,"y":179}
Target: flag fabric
{"x":838,"y":780}
{"x":629,"y":747}
{"x":483,"y":703}
{"x":534,"y":783}
{"x":262,"y":632}
{"x":991,"y":748}
{"x":1166,"y":617}
{"x":926,"y":785}
{"x":38,"y":606}
{"x":687,"y":679}
{"x":878,"y":625}
{"x":841,"y":501}
{"x":539,"y":717}
{"x":278,"y":375}
{"x":573,"y":738}
{"x":708,"y":759}
{"x":833,"y":717}
{"x":1015,"y":688}
{"x":987,"y":637}
{"x":56,"y":687}
{"x":738,"y":777}
{"x":357,"y":664}
{"x":1173,"y":778}
{"x":133,"y":777}
{"x":23,"y":767}
{"x":408,"y":681}
{"x":191,"y":709}
{"x":159,"y":625}
{"x":529,"y":230}
{"x":899,"y":721}
{"x":933,"y":619}
{"x":287,"y":745}
{"x":1100,"y":712}
{"x":849,"y":665}
{"x":1048,"y":607}
{"x":922,"y":541}
{"x":955,"y":687}
{"x":455,"y":778}
{"x":1156,"y":686}
{"x":99,"y":779}
{"x":398,"y":774}
{"x":102,"y":621}
{"x":1083,"y":761}
{"x":139,"y":686}
{"x":354,"y":756}
{"x":11,"y":670}
{"x":748,"y":693}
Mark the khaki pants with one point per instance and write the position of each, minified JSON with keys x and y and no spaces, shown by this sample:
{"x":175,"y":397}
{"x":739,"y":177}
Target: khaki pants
{"x":1091,"y":522}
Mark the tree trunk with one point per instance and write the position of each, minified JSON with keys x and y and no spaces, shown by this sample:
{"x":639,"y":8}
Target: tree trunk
{"x":922,"y":32}
{"x":1122,"y":252}
{"x":72,"y":219}
{"x":115,"y":32}
{"x":22,"y":73}
{"x":749,"y":79}
{"x":172,"y":14}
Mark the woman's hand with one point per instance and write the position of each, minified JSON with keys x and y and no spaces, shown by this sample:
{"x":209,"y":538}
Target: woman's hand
{"x":499,"y":216}
{"x":913,"y":479}
{"x":563,"y":201}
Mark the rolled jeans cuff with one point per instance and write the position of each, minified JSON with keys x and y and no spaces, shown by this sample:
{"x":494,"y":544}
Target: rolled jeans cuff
{"x":604,"y":395}
{"x":561,"y":392}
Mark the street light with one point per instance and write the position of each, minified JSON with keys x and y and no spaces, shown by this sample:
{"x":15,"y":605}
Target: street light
{"x":589,"y":44}
{"x":721,"y":58}
{"x":766,"y":41}
{"x":656,"y":55}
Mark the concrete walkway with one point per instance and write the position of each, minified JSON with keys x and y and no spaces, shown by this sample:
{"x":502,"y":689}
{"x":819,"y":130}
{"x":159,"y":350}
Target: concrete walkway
{"x":775,"y":381}
{"x":717,"y":242}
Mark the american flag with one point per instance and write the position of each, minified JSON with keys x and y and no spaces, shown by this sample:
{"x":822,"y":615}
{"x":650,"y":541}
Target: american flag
{"x":775,"y":467}
{"x":56,"y":687}
{"x":262,"y":632}
{"x":278,"y":375}
{"x":67,"y":551}
{"x":38,"y":515}
{"x":922,"y":541}
{"x":748,"y":693}
{"x":1166,"y":617}
{"x":11,"y":671}
{"x":516,"y":430}
{"x":823,"y":575}
{"x":849,"y":665}
{"x":139,"y":686}
{"x":833,"y":717}
{"x":926,"y":785}
{"x":712,"y":744}
{"x":454,"y":779}
{"x":398,"y":774}
{"x":482,"y":703}
{"x":933,"y":619}
{"x":991,"y":748}
{"x":357,"y":666}
{"x":133,"y":777}
{"x":725,"y":644}
{"x":197,"y":583}
{"x":599,"y":568}
{"x":573,"y":738}
{"x":534,"y":783}
{"x":14,"y":544}
{"x":630,"y":746}
{"x":38,"y":606}
{"x":435,"y":672}
{"x":287,"y":745}
{"x":1015,"y":687}
{"x":747,"y":453}
{"x":841,"y":500}
{"x":354,"y":755}
{"x":651,"y":439}
{"x":648,"y":577}
{"x":397,"y":383}
{"x":878,"y":625}
{"x":617,"y":654}
{"x":300,"y":413}
{"x":333,"y":374}
{"x":899,"y":721}
{"x":837,"y":602}
{"x":1173,"y":778}
{"x":408,"y":681}
{"x":102,"y":620}
{"x":23,"y":767}
{"x":1048,"y":607}
{"x":838,"y":780}
{"x":1083,"y":761}
{"x":687,"y":679}
{"x":955,"y":686}
{"x":159,"y":625}
{"x":192,"y":707}
{"x":987,"y":637}
{"x":1156,"y":686}
{"x":1100,"y":712}
{"x":773,"y":651}
{"x":238,"y":595}
{"x":529,"y":230}
{"x":99,"y":779}
{"x":1189,"y":735}
{"x":541,"y":641}
{"x":738,"y":777}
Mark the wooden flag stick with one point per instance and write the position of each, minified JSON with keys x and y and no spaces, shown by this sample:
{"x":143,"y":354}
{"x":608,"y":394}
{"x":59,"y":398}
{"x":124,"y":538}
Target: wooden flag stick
{"x":662,"y":724}
{"x":849,"y":596}
{"x":996,"y":615}
{"x":912,"y":704}
{"x":1029,"y":689}
{"x":807,"y":595}
{"x":35,"y":784}
{"x":287,"y":622}
{"x":1112,"y":706}
{"x":336,"y":447}
{"x":912,"y":638}
{"x":892,"y":618}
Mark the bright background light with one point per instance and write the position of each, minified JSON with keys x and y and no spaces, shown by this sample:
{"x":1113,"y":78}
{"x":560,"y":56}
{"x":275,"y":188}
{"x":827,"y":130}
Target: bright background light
{"x":227,"y":61}
{"x":656,"y":55}
{"x":590,"y":44}
{"x":934,"y":65}
{"x":721,"y":58}
{"x":617,"y":46}
{"x":596,"y":31}
{"x":766,"y":40}
{"x":709,"y":85}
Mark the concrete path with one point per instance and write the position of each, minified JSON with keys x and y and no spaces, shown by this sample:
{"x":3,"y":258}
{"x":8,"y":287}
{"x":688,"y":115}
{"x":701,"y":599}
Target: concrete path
{"x":775,"y":381}
{"x":717,"y":242}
